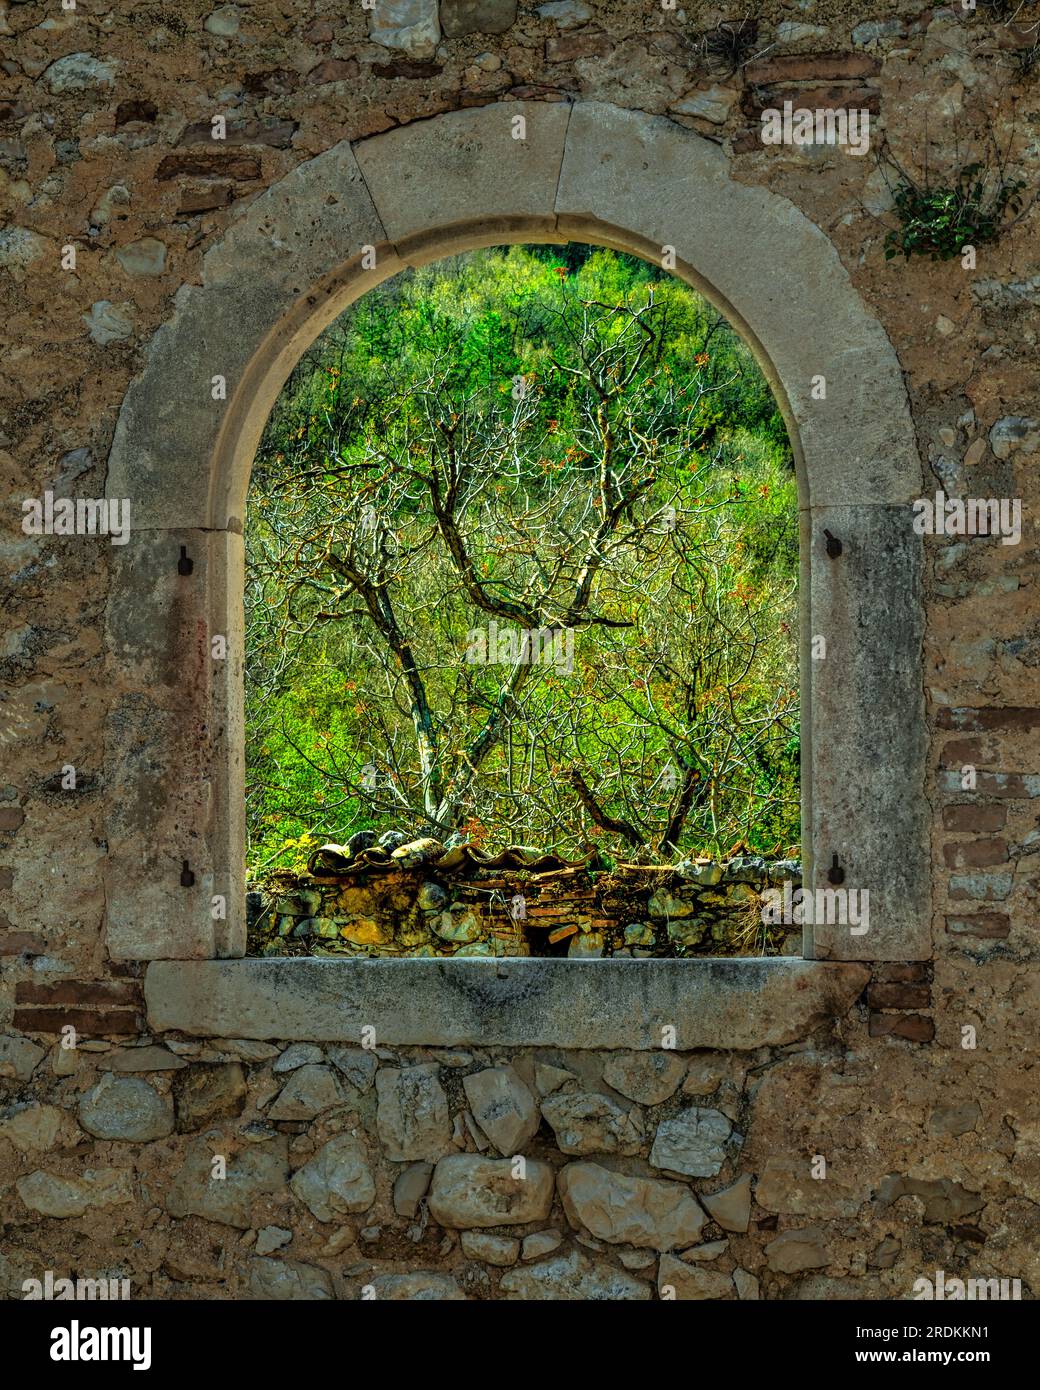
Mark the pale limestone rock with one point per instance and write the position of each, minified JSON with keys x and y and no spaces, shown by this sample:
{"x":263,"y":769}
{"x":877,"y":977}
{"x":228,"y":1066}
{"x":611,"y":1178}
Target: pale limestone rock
{"x":344,"y":1238}
{"x":586,"y":1122}
{"x":713,"y":104}
{"x":636,"y":1259}
{"x":706,"y":874}
{"x":53,"y":1195}
{"x":460,"y":17}
{"x":118,"y":196}
{"x":412,"y":26}
{"x":310,"y":1090}
{"x":337,"y":1181}
{"x":571,"y":1277}
{"x":647,"y":1213}
{"x":412,"y":1117}
{"x":1014,"y":432}
{"x":109,"y":323}
{"x":793,"y":31}
{"x":539,"y":1244}
{"x":465,"y":1123}
{"x":144,"y":257}
{"x":705,"y":1075}
{"x":33,"y":1126}
{"x":197,"y":1191}
{"x":646,"y":1077}
{"x":19,"y":1057}
{"x":503,"y":1107}
{"x":298,"y":1055}
{"x":131,"y":1059}
{"x":420,"y":1286}
{"x":462,"y":924}
{"x":548,"y":1079}
{"x":246,"y":1049}
{"x":224,"y":22}
{"x":746,"y":1284}
{"x":730,"y":1208}
{"x":19,"y":248}
{"x":411,"y":1187}
{"x":975,"y":453}
{"x":679,"y":1281}
{"x":664,"y":905}
{"x":692,"y":1142}
{"x":797,"y":1250}
{"x":873,"y":31}
{"x":272,"y":1238}
{"x":127,"y":1109}
{"x":587,"y":945}
{"x":568,"y":14}
{"x":493,"y":1250}
{"x":358,"y":1065}
{"x":289,"y":1281}
{"x":205,"y":1093}
{"x":786,"y":1184}
{"x":64,"y":1061}
{"x":710,"y":1250}
{"x":468,"y":1191}
{"x":79,"y":72}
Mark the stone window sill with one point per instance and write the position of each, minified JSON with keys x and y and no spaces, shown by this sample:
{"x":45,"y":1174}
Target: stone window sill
{"x":741,"y":1003}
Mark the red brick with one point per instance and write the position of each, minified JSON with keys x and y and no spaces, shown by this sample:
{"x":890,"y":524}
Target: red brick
{"x":899,"y":996}
{"x":588,"y":44}
{"x":1016,"y":786}
{"x":11,"y":818}
{"x":758,"y":99}
{"x":983,"y":889}
{"x":273,"y":82}
{"x":266,"y":131}
{"x":468,"y":98}
{"x":912,"y":1027}
{"x":85,"y":1021}
{"x":972,"y":817}
{"x":206,"y":198}
{"x":990,"y":720}
{"x":410,"y":68}
{"x":101,"y":992}
{"x":910,"y":972}
{"x":228,"y":164}
{"x":334,"y":70}
{"x":321,"y":31}
{"x":129,"y":969}
{"x":958,"y":751}
{"x":813,"y":67}
{"x":975,"y":854}
{"x":983,"y":924}
{"x":21,"y":943}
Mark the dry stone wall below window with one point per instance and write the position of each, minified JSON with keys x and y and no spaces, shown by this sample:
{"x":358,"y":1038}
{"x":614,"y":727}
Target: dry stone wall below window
{"x":428,"y":910}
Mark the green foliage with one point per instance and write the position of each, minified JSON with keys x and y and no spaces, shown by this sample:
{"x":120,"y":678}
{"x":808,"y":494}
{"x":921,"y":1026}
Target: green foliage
{"x":319,"y":705}
{"x":940,"y":221}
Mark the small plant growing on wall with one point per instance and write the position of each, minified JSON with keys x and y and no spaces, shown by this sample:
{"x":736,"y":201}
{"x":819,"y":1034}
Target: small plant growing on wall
{"x":727,"y":47}
{"x":939,"y":217}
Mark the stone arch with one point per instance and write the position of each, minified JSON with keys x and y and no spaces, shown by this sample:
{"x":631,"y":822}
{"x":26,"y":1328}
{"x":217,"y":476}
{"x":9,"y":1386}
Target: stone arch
{"x":289,"y":265}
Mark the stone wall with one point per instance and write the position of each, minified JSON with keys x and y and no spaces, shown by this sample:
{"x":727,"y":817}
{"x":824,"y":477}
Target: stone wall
{"x":892,"y":1140}
{"x":469,"y":910}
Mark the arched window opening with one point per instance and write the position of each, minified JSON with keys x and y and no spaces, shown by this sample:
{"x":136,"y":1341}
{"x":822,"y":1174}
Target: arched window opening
{"x":522,"y":562}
